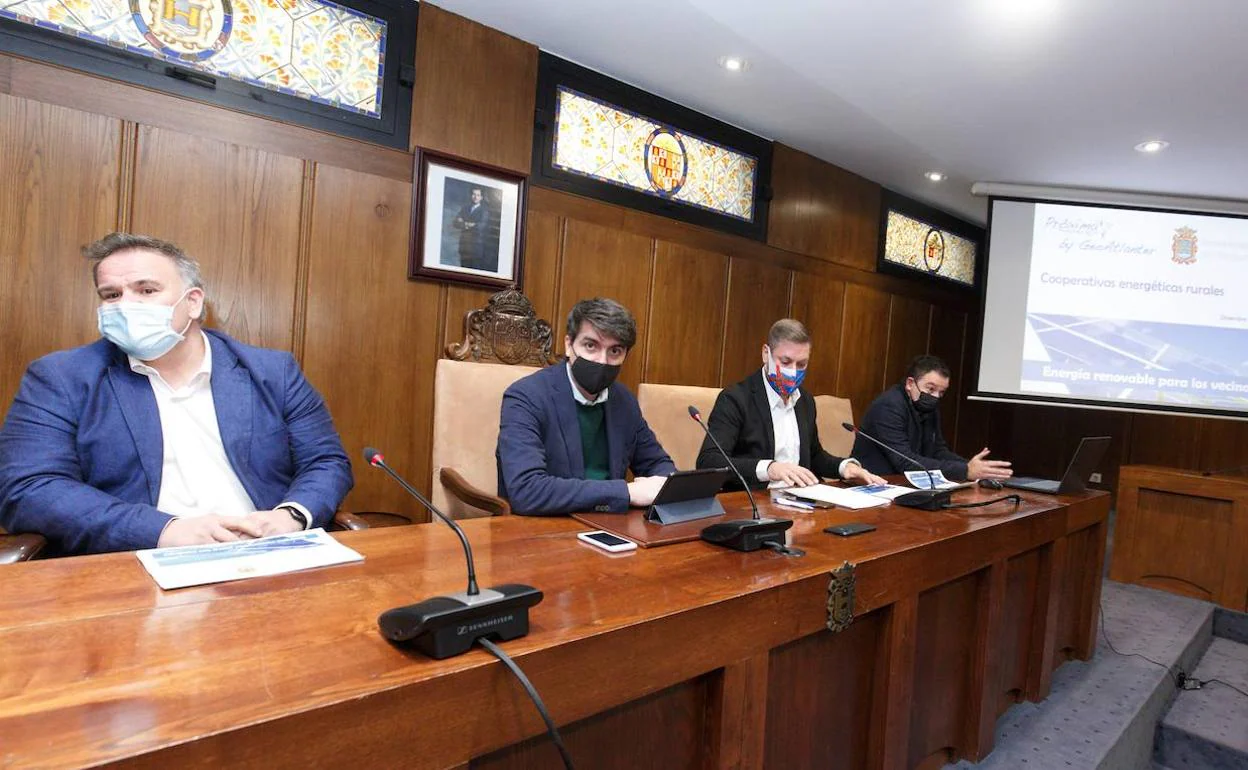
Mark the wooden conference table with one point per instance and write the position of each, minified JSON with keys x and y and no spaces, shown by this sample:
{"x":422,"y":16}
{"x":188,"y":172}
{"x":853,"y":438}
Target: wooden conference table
{"x":679,"y":656}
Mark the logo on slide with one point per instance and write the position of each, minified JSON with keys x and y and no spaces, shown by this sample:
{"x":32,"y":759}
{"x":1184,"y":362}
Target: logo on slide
{"x":933,"y":250}
{"x":1183,"y":247}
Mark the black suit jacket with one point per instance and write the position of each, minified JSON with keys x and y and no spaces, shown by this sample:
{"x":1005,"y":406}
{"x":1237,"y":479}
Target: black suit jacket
{"x":741,"y":421}
{"x":892,"y":418}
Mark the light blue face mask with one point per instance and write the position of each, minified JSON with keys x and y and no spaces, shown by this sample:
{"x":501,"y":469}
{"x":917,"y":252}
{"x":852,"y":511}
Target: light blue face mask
{"x":142,"y":330}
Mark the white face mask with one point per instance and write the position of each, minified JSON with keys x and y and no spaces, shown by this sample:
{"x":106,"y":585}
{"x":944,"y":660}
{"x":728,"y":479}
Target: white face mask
{"x":141,"y":329}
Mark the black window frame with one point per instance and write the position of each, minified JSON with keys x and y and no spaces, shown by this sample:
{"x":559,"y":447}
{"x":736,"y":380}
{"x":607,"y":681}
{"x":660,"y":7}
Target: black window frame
{"x":554,"y":72}
{"x":391,"y":129}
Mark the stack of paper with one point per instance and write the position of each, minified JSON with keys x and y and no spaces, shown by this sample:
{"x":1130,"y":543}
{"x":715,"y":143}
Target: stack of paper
{"x":846,"y":497}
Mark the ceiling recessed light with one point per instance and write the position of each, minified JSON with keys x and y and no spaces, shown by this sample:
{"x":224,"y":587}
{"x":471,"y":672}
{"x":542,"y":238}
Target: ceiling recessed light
{"x":1152,"y":145}
{"x":935,"y":176}
{"x":733,"y":63}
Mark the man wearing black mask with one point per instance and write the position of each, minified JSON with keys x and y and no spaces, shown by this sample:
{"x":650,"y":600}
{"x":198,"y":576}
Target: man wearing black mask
{"x":906,"y":417}
{"x":569,"y":433}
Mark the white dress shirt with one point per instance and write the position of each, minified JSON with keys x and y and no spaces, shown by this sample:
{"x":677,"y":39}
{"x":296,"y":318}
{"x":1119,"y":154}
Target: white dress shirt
{"x":788,"y":439}
{"x":196,"y":477}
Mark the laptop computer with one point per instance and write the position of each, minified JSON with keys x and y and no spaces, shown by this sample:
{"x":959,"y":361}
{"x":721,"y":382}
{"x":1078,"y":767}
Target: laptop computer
{"x":1089,"y":453}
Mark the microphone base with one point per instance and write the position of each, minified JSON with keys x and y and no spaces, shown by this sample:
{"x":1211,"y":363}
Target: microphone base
{"x":446,"y":626}
{"x":925,"y":499}
{"x":747,"y":534}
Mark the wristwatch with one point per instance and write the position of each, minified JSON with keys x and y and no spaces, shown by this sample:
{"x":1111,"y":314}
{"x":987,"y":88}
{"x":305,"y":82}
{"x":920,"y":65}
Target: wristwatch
{"x":296,"y":514}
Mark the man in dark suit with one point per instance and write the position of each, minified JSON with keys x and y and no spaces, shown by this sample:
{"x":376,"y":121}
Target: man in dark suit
{"x":471,"y":221}
{"x":162,"y":433}
{"x":766,"y":423}
{"x":568,"y":433}
{"x":906,"y":417}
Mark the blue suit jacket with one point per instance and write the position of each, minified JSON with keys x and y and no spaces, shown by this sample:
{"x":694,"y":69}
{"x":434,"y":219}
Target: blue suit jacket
{"x":541,"y":466}
{"x":81,"y":451}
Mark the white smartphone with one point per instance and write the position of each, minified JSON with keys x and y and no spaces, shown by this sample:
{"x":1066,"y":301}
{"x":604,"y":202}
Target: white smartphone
{"x":607,"y":541}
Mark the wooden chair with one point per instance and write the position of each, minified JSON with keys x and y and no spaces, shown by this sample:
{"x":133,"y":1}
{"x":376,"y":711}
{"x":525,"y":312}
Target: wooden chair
{"x":832,"y":412}
{"x":666,"y":409}
{"x":502,"y":342}
{"x":15,"y":548}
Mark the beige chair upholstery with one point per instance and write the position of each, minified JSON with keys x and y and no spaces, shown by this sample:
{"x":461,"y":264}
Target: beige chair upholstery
{"x":467,"y":398}
{"x":666,"y":409}
{"x":832,"y":412}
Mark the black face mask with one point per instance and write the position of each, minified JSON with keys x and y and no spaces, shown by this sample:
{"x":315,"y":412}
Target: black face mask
{"x":593,"y":376}
{"x":926,"y":403}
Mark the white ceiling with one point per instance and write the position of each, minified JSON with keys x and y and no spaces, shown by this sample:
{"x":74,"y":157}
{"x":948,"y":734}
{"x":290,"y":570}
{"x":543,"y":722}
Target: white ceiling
{"x":1047,"y":92}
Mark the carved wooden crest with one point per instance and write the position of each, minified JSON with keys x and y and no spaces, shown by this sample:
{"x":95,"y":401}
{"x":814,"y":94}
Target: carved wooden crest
{"x":841,"y":598}
{"x":506,"y":330}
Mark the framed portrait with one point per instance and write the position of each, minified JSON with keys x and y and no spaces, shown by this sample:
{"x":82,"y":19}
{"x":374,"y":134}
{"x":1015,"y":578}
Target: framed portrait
{"x":467,"y":222}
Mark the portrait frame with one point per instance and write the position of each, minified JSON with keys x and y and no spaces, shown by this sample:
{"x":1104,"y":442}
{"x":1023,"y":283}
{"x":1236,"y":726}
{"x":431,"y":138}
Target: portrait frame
{"x":467,"y":222}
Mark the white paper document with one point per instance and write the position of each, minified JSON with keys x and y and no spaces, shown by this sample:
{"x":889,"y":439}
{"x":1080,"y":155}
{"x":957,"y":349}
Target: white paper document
{"x":886,"y":491}
{"x":193,"y":565}
{"x":846,"y":497}
{"x":921,"y":481}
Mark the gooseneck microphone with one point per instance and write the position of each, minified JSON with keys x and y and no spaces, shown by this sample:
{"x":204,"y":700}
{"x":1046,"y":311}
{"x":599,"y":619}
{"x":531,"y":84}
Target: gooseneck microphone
{"x":445,"y":626}
{"x":932,"y":499}
{"x":742,"y":534}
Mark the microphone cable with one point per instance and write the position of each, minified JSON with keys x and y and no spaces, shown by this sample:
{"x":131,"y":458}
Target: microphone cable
{"x":551,"y":730}
{"x":1017,"y":501}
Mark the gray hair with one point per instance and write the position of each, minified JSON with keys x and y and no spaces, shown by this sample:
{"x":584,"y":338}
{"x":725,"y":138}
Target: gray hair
{"x":607,"y":316}
{"x":112,"y":243}
{"x":787,"y":330}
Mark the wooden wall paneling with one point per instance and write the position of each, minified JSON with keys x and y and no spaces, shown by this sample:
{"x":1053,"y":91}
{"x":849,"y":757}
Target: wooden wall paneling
{"x":805,"y":727}
{"x":235,"y":209}
{"x":864,"y":338}
{"x":686,"y":316}
{"x":758,"y":296}
{"x":60,"y":171}
{"x":475,"y":91}
{"x":661,"y":730}
{"x":823,"y":211}
{"x":457,"y":302}
{"x":945,"y":640}
{"x":371,"y":334}
{"x":1038,"y":441}
{"x":542,"y":256}
{"x":600,"y":262}
{"x":819,"y":303}
{"x":1223,"y":446}
{"x":948,"y":341}
{"x":101,"y":96}
{"x":664,"y":229}
{"x":909,"y":326}
{"x":1162,"y":439}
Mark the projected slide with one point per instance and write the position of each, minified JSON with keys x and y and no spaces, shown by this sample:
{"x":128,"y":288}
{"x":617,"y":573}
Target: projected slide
{"x":1140,"y":306}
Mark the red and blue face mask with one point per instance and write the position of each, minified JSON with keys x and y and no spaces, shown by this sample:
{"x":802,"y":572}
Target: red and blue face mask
{"x":783,"y":380}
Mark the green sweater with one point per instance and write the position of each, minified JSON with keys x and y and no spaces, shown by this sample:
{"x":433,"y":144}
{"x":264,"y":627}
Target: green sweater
{"x":594,"y":440}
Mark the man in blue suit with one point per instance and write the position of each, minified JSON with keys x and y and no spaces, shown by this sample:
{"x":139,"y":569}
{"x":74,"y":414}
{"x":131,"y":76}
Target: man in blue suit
{"x":162,"y":433}
{"x":569,"y":432}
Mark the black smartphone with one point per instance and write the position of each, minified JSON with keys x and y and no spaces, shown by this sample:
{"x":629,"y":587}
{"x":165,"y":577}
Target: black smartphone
{"x":847,"y":530}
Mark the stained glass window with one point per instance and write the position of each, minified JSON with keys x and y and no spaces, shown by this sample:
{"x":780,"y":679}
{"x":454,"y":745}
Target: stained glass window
{"x":312,"y":49}
{"x":920,"y":246}
{"x":599,"y":140}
